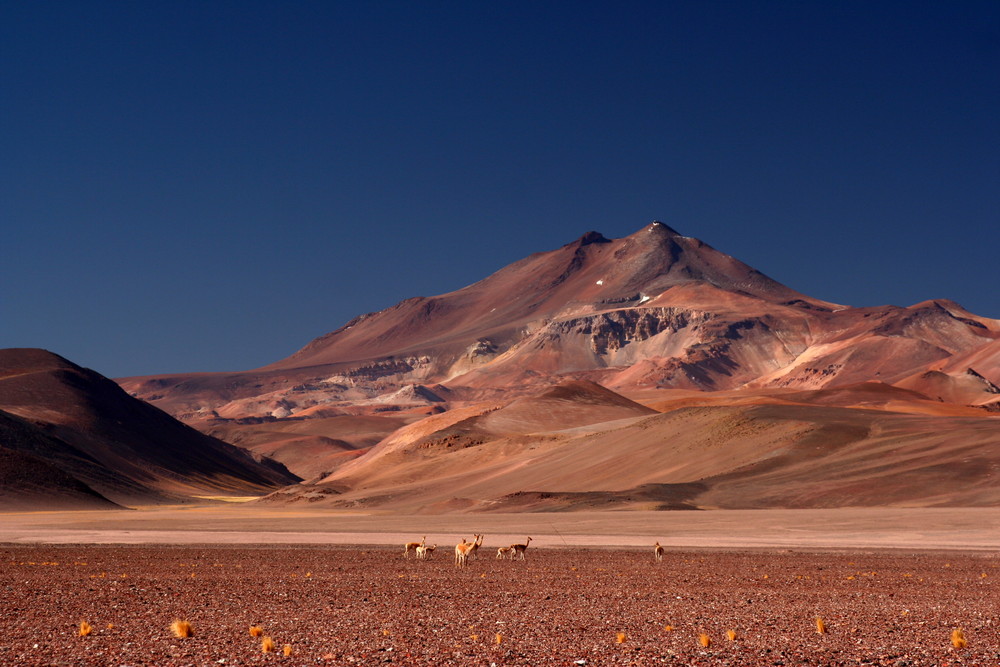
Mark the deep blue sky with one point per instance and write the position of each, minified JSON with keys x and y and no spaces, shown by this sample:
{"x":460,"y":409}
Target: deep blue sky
{"x":206,"y":186}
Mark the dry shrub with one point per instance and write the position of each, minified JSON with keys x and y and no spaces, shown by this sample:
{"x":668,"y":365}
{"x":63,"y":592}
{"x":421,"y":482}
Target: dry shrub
{"x":820,"y":626}
{"x":267,"y":645}
{"x":731,"y":635}
{"x":498,"y":639}
{"x":668,"y":628}
{"x":287,"y":650}
{"x":256,"y":631}
{"x":181,"y":629}
{"x":620,"y":638}
{"x":704,"y":640}
{"x":85,"y":628}
{"x":958,"y":638}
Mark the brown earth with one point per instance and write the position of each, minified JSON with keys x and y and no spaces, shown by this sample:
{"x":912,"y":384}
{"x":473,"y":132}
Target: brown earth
{"x":367,"y":605}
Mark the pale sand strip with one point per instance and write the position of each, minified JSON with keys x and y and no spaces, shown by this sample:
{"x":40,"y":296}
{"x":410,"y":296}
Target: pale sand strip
{"x":975,"y":529}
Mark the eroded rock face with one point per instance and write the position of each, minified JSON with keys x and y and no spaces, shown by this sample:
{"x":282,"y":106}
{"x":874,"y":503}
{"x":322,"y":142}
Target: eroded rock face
{"x":613,"y":330}
{"x":382,"y":368}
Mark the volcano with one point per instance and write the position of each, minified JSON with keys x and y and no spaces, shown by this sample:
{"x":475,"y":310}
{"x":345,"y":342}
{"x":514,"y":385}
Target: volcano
{"x":652,"y":310}
{"x":477,"y":384}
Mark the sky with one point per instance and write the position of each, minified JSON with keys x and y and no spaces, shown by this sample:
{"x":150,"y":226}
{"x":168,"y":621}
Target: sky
{"x":207,"y":186}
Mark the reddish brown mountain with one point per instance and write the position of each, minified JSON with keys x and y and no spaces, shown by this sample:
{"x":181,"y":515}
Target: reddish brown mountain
{"x":518,"y":392}
{"x":652,"y":310}
{"x":72,"y":435}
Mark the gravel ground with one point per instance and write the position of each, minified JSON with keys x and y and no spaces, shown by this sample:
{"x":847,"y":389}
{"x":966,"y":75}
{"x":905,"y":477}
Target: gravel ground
{"x":344,"y":606}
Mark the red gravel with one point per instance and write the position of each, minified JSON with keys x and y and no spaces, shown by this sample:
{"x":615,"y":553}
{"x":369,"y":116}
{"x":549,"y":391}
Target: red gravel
{"x":343,"y":606}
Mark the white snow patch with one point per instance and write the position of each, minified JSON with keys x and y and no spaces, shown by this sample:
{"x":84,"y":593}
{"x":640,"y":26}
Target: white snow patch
{"x":645,"y":298}
{"x":600,"y":282}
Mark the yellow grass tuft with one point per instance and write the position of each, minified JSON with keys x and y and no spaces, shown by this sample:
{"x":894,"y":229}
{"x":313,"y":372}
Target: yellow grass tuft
{"x":474,"y":638}
{"x":256,"y":631}
{"x":385,"y":633}
{"x":820,"y":626}
{"x":111,"y":626}
{"x":958,"y":638}
{"x":498,"y":639}
{"x":704,"y":640}
{"x":85,"y":628}
{"x":731,"y":635}
{"x":668,"y":628}
{"x":181,"y":629}
{"x":287,"y":650}
{"x":267,"y":645}
{"x":620,"y":638}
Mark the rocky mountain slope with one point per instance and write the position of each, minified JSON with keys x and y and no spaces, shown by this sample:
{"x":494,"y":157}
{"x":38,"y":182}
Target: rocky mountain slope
{"x":652,"y":310}
{"x":655,"y":311}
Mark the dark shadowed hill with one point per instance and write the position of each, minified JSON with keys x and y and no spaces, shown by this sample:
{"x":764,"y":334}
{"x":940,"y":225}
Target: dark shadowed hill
{"x":33,"y":471}
{"x":124,"y":449}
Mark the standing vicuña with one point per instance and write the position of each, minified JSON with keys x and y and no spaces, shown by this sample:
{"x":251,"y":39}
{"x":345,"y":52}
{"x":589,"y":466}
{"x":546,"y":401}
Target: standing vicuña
{"x":462,"y":552}
{"x":411,"y":547}
{"x":519,"y":549}
{"x":476,"y":543}
{"x":426,"y":552}
{"x":464,"y":549}
{"x":658,"y":551}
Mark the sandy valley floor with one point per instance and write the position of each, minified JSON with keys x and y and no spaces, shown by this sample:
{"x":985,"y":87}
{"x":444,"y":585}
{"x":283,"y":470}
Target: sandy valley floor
{"x":976,"y":529}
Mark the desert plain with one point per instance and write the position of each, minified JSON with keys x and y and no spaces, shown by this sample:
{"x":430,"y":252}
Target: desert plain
{"x":890,"y":586}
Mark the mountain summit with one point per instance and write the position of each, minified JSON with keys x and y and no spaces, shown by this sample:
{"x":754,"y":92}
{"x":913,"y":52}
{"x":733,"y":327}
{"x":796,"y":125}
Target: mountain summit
{"x":651,"y":371}
{"x":588,"y":276}
{"x":652,"y":310}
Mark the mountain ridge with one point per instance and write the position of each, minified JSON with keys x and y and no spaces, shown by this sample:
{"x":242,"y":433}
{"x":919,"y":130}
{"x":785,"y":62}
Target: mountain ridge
{"x":648,"y":317}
